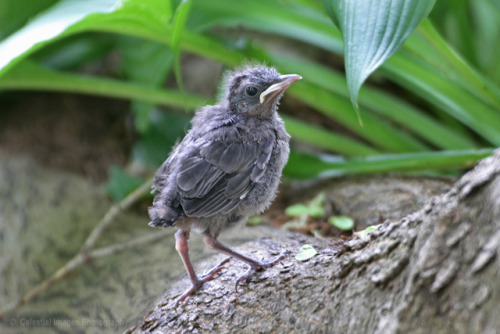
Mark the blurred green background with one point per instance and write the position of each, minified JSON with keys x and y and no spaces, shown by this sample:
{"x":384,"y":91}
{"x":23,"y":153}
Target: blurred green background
{"x":433,"y":107}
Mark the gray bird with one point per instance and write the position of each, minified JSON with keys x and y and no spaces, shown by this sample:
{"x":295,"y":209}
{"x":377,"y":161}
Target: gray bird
{"x":227,"y":168}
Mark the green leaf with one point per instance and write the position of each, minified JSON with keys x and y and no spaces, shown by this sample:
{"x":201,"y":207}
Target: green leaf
{"x":450,"y":97}
{"x":364,"y":233}
{"x":120,"y":184}
{"x":373,"y":30}
{"x":316,"y":212}
{"x":328,"y":140}
{"x":376,"y":130}
{"x":314,"y":209}
{"x":343,"y":223}
{"x":75,"y":51}
{"x":147,"y":63}
{"x":371,"y":100}
{"x":14,"y":14}
{"x":305,"y":253}
{"x":306,"y":166}
{"x":316,"y":206}
{"x":371,"y":228}
{"x":269,"y":16}
{"x":318,"y":200}
{"x":50,"y":25}
{"x":28,"y":75}
{"x":155,"y":144}
{"x":179,"y":22}
{"x":297,"y":210}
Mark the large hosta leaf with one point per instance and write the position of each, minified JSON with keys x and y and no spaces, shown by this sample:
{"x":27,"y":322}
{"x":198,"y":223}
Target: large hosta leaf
{"x":373,"y":30}
{"x":68,"y":17}
{"x":50,"y":25}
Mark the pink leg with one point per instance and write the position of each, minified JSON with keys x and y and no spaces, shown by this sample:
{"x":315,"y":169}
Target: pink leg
{"x":254,"y":264}
{"x":181,"y":245}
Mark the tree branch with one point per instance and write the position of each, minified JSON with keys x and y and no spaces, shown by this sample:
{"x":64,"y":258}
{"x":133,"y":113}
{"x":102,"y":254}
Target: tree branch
{"x":432,"y":271}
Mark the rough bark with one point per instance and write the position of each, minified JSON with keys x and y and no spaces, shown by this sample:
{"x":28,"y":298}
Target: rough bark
{"x":433,"y":271}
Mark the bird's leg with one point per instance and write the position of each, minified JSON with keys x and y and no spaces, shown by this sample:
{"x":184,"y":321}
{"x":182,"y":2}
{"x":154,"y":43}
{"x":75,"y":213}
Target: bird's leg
{"x":255,"y":265}
{"x":181,"y":245}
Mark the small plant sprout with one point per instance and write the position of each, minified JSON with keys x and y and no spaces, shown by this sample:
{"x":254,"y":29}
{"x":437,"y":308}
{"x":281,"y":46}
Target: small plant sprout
{"x":343,"y":223}
{"x":305,"y":253}
{"x":302,"y":212}
{"x":297,"y":210}
{"x":364,"y":233}
{"x":314,"y":209}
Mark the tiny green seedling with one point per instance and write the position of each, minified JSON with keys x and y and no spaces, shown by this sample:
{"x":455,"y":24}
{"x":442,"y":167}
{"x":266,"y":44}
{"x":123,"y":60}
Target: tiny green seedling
{"x":314,"y":209}
{"x":343,"y":223}
{"x":296,"y":210}
{"x":366,"y":231}
{"x":305,"y":253}
{"x":301,"y":212}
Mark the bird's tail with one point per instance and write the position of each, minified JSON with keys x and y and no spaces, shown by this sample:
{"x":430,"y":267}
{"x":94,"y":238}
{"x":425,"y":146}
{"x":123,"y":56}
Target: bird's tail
{"x":164,"y":216}
{"x":158,"y":222}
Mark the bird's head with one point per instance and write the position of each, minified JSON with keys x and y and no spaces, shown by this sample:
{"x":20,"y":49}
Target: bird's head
{"x":257,"y":90}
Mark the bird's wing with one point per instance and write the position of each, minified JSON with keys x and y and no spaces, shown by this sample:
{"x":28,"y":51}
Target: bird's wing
{"x":163,"y":172}
{"x":216,"y":179}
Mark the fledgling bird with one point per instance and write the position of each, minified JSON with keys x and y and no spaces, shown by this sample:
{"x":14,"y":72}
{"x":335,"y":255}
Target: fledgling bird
{"x":227,"y":168}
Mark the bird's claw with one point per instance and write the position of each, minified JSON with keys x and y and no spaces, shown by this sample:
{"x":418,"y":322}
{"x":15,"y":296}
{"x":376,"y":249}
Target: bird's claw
{"x":205,"y":278}
{"x":214,"y":271}
{"x":244,"y":277}
{"x":259,"y":266}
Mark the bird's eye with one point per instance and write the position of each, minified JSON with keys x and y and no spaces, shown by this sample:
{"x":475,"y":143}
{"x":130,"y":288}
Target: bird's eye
{"x":251,"y":90}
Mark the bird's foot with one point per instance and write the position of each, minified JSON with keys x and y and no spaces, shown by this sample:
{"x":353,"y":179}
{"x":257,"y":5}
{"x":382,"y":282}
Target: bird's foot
{"x":200,"y":281}
{"x":258,"y":266}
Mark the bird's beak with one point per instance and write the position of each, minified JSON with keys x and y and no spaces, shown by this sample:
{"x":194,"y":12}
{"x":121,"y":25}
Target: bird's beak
{"x":285,"y":81}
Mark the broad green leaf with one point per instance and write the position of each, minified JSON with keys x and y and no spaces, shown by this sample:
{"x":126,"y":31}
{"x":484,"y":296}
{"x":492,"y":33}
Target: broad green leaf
{"x":296,"y":210}
{"x":178,"y":25}
{"x":49,"y":25}
{"x":143,"y":18}
{"x":74,"y":52}
{"x":371,"y":99}
{"x":496,"y":3}
{"x":343,"y":223}
{"x":14,"y":14}
{"x":436,"y":53}
{"x":28,"y":75}
{"x":306,"y":166}
{"x":373,"y":30}
{"x":270,"y":16}
{"x":376,"y":130}
{"x":236,"y":15}
{"x":165,"y":129}
{"x":147,"y":63}
{"x":305,"y":253}
{"x":325,"y":139}
{"x":450,"y":97}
